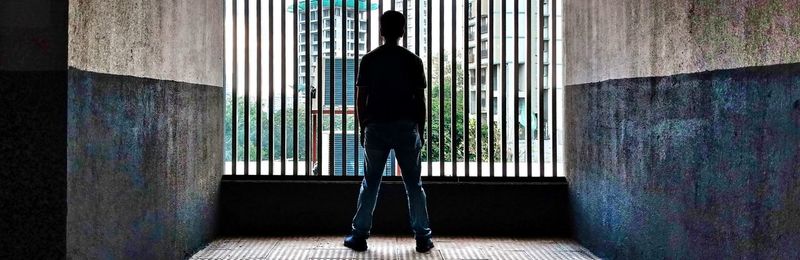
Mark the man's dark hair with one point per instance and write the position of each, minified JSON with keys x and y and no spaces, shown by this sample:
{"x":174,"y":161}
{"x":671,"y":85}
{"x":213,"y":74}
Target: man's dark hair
{"x":393,"y":25}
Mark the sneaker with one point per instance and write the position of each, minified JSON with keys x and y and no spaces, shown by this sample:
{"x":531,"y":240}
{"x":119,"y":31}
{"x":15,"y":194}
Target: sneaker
{"x":356,"y":243}
{"x":424,"y":245}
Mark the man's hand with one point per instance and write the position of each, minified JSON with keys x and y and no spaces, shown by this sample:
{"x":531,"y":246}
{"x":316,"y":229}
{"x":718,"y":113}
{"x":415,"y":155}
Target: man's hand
{"x":361,"y":137}
{"x":421,"y":132}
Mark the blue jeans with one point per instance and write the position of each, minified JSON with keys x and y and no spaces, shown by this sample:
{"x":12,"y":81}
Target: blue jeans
{"x":379,"y":139}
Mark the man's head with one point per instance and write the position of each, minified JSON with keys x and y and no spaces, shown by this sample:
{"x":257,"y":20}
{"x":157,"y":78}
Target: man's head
{"x":393,"y":26}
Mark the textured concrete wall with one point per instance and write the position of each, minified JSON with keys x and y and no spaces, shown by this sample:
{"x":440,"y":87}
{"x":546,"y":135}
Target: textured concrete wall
{"x":145,"y":128}
{"x":169,"y":40}
{"x":683,"y":121}
{"x":33,"y":129}
{"x":613,"y":39}
{"x":144,"y":166}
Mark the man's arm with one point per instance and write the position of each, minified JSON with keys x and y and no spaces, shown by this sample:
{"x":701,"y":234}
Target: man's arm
{"x":361,"y":97}
{"x":419,"y":93}
{"x":361,"y":103}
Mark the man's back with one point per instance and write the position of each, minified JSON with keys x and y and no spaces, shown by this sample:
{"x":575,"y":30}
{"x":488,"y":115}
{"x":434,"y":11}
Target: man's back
{"x":392,"y":78}
{"x":391,"y":109}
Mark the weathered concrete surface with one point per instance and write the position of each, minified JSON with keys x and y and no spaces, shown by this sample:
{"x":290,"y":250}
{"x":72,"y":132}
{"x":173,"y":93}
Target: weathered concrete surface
{"x":613,"y":39}
{"x":33,"y":129}
{"x":691,"y":166}
{"x":144,"y":166}
{"x":169,"y":40}
{"x":683,"y":127}
{"x":145,"y":127}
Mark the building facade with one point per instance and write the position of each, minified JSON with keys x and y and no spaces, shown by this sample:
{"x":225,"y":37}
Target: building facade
{"x":490,"y":87}
{"x":337,"y":93}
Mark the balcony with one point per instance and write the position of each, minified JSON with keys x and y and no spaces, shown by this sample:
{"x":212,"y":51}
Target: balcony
{"x":225,"y":137}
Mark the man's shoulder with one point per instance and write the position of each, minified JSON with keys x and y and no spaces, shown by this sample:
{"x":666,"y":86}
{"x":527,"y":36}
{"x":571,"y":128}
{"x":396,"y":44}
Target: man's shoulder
{"x":368,"y":56}
{"x":411,"y":55}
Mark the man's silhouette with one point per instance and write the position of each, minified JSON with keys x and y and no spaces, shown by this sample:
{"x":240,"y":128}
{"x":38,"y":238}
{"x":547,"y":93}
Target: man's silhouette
{"x":391,"y":111}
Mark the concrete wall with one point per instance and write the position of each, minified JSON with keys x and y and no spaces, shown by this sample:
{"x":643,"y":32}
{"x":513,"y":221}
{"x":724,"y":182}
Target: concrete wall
{"x":683,"y":121}
{"x":33,"y":128}
{"x":145,"y":127}
{"x":327,"y":207}
{"x":169,"y":40}
{"x":614,"y":39}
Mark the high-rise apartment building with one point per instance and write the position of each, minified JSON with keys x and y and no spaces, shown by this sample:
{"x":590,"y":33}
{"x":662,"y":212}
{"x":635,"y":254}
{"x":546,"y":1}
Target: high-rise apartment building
{"x":490,"y":88}
{"x":337,"y":56}
{"x":411,"y":25}
{"x":331,"y":33}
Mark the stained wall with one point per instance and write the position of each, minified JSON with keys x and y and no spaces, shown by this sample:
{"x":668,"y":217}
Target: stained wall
{"x":144,"y":155}
{"x":683,"y":128}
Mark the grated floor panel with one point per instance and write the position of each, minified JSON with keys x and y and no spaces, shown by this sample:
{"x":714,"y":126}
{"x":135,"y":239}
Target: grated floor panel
{"x":391,"y":248}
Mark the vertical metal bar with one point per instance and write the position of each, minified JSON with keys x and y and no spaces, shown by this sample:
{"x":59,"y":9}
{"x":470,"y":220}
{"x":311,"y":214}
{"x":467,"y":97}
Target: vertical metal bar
{"x":441,"y":88}
{"x":320,"y":82}
{"x":528,"y":89}
{"x":380,"y":13}
{"x":283,"y":88}
{"x":295,"y":130}
{"x":515,"y":120}
{"x":258,"y":87}
{"x":405,"y":12}
{"x":466,"y":88}
{"x":271,"y":96}
{"x":246,"y":87}
{"x":393,"y":4}
{"x":368,"y":42}
{"x":417,"y":38}
{"x":479,"y":90}
{"x":356,"y":131}
{"x":540,"y":128}
{"x":234,"y":91}
{"x":332,"y":57}
{"x":343,"y":20}
{"x":369,"y":25}
{"x":553,"y":85}
{"x":453,"y":83}
{"x":417,"y":51}
{"x":429,"y":48}
{"x":416,"y":27}
{"x":490,"y":87}
{"x":503,"y":90}
{"x":308,"y":86}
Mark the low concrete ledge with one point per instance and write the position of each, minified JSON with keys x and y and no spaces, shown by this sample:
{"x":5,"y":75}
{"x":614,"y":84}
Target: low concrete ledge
{"x":257,"y":207}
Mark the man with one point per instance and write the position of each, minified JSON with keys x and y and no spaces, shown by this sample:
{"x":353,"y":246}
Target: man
{"x":391,"y":110}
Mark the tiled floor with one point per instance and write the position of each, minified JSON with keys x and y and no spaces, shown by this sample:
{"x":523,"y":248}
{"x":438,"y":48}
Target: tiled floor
{"x":386,"y":247}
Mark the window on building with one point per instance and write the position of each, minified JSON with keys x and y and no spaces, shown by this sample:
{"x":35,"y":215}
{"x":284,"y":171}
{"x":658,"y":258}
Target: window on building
{"x":472,"y":75}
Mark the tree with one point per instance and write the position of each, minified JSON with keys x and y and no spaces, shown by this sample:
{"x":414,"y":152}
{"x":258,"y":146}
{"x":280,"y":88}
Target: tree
{"x":266,"y":139}
{"x":445,"y":109}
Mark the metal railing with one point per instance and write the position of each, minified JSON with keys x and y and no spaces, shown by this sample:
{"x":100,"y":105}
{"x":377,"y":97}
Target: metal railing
{"x":308,"y":129}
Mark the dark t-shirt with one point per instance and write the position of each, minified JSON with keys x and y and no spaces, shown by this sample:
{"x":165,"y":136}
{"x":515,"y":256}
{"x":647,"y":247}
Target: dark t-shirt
{"x":391,"y":76}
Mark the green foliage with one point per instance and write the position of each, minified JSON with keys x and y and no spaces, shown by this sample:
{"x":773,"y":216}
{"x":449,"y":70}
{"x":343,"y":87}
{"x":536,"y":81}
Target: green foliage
{"x":446,"y":139}
{"x":266,"y":139}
